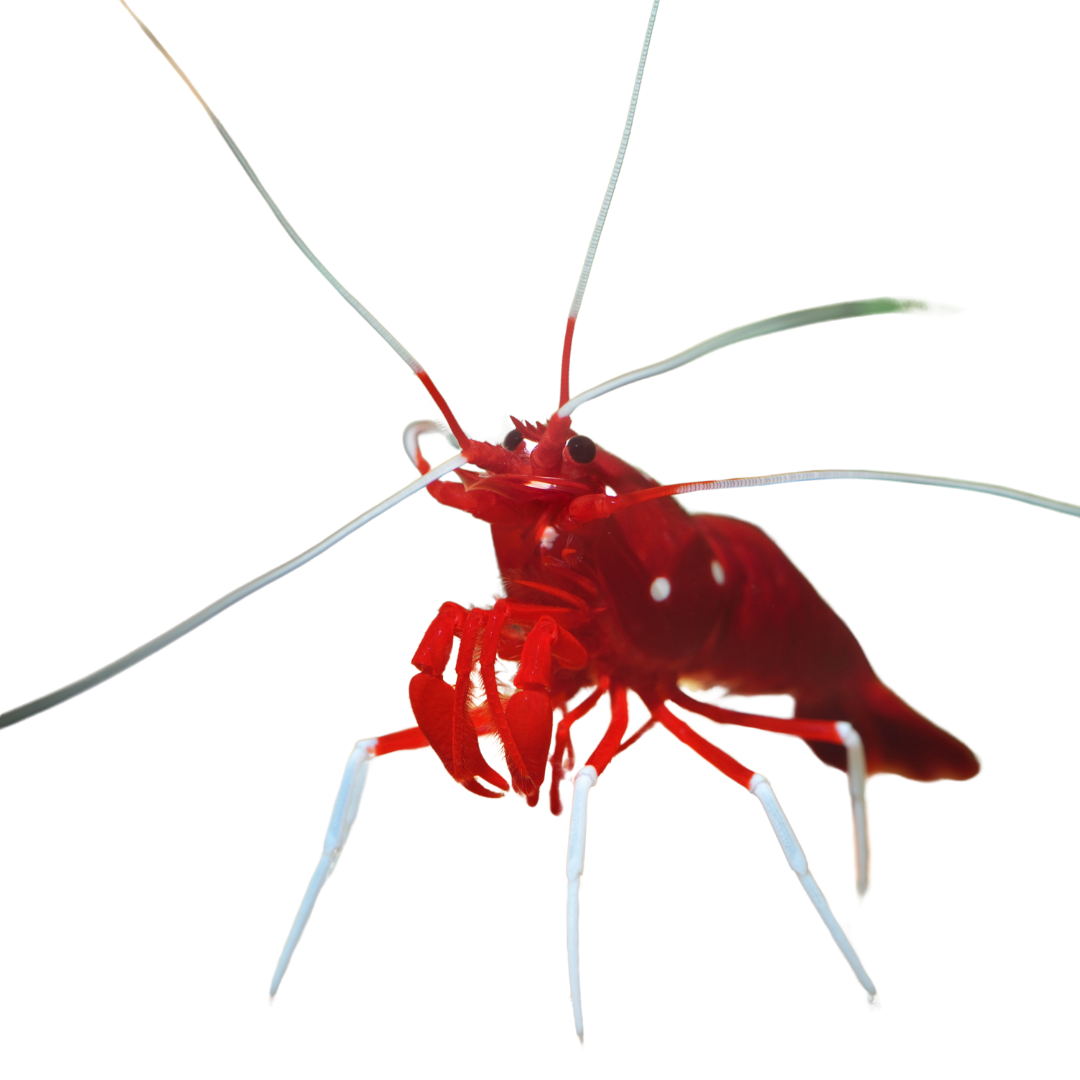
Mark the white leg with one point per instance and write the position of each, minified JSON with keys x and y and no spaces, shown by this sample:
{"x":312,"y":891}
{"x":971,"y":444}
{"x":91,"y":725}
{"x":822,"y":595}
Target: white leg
{"x":575,"y":866}
{"x":759,"y":786}
{"x":341,"y":820}
{"x":856,"y":774}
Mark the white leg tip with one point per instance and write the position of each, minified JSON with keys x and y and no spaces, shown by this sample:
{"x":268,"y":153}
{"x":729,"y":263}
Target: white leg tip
{"x":575,"y":867}
{"x":856,"y":771}
{"x":341,"y":821}
{"x":796,"y":858}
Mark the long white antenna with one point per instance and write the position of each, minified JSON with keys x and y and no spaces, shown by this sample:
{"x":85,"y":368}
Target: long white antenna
{"x":293,"y":234}
{"x":594,"y":240}
{"x":618,"y":502}
{"x":851,"y":309}
{"x":13,"y":716}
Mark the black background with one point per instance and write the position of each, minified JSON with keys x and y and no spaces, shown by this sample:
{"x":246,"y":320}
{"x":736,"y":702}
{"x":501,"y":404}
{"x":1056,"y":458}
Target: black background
{"x":197,"y":406}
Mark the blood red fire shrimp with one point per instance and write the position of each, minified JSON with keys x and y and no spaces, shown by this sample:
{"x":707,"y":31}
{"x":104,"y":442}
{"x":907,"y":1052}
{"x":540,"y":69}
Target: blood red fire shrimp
{"x":467,"y":212}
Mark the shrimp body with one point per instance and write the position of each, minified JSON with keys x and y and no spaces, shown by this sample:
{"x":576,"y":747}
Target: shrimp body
{"x":637,"y":597}
{"x":145,"y":510}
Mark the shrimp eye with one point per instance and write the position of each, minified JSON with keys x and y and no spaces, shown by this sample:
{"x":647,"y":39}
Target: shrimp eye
{"x":513,"y":439}
{"x":581,"y":449}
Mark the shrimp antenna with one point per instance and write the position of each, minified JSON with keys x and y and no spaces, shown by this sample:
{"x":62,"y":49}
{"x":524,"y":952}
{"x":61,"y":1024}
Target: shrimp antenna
{"x":592,"y":507}
{"x":46,"y":701}
{"x":851,"y":309}
{"x":324,"y":271}
{"x":586,"y":269}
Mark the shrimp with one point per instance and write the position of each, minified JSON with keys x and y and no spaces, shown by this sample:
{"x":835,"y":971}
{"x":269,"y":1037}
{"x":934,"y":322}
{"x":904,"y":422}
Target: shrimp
{"x":196,"y":428}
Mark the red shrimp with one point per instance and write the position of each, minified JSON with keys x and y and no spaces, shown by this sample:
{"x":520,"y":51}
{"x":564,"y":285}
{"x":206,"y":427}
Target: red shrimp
{"x":151,"y":481}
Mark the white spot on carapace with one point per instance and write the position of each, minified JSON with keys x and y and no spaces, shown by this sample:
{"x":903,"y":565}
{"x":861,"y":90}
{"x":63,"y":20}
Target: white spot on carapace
{"x":718,"y":572}
{"x":547,"y":538}
{"x":660,"y":589}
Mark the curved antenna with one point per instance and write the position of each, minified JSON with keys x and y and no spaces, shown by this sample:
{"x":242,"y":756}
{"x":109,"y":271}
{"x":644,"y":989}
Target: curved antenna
{"x":852,"y":309}
{"x":586,"y":269}
{"x":88,"y":682}
{"x":919,"y":480}
{"x":410,"y":439}
{"x":347,"y":296}
{"x":593,"y":507}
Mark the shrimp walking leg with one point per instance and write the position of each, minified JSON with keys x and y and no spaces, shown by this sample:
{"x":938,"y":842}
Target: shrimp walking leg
{"x":575,"y":866}
{"x":838,"y":732}
{"x":341,"y":821}
{"x":759,"y":786}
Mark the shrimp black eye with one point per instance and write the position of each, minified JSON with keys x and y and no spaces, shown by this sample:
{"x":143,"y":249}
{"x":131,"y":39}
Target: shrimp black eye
{"x":513,"y":439}
{"x":581,"y":449}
